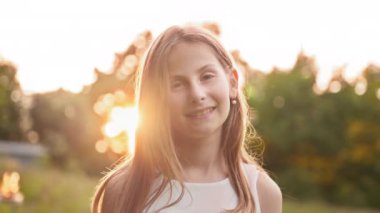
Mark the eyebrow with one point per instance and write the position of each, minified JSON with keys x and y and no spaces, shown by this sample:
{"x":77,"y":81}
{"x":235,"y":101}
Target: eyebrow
{"x":205,"y":67}
{"x":198,"y":70}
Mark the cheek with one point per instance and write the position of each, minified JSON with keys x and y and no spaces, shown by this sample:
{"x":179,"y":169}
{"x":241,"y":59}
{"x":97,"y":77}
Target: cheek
{"x":222,"y":92}
{"x":175,"y":103}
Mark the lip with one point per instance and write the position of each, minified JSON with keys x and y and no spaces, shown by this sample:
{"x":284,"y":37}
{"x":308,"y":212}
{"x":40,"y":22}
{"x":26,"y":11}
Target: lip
{"x":201,"y":113}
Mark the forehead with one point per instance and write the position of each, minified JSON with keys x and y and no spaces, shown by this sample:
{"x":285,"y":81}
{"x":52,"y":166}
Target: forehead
{"x":186,"y":57}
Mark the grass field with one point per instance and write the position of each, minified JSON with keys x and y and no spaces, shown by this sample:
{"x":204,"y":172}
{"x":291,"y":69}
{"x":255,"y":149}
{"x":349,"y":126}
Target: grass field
{"x":51,"y":190}
{"x":320,"y":207}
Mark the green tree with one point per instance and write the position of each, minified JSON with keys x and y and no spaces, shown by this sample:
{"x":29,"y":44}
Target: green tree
{"x":320,"y":144}
{"x":10,"y":103}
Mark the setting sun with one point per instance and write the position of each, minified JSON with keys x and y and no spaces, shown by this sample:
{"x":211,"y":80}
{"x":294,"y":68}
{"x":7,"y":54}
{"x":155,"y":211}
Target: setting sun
{"x":122,"y":121}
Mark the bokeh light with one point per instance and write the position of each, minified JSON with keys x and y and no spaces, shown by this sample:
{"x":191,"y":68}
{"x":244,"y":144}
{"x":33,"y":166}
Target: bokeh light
{"x":119,"y":130}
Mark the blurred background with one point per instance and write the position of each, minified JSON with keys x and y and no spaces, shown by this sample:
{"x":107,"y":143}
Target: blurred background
{"x":309,"y":69}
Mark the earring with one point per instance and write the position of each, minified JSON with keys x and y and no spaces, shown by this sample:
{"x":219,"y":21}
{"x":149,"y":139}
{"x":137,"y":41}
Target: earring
{"x":233,"y":101}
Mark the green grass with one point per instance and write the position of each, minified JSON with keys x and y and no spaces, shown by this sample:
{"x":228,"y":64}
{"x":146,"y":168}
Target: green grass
{"x":51,"y":190}
{"x":291,"y":206}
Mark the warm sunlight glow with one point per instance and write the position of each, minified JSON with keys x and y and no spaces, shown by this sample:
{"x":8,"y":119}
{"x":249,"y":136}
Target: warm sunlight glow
{"x":121,"y":121}
{"x":317,"y":90}
{"x":263,"y":39}
{"x":335,"y":86}
{"x":378,"y":93}
{"x":106,"y":102}
{"x":99,"y":108}
{"x":118,"y":146}
{"x":361,"y":87}
{"x":112,"y":129}
{"x":101,"y":146}
{"x":9,"y":187}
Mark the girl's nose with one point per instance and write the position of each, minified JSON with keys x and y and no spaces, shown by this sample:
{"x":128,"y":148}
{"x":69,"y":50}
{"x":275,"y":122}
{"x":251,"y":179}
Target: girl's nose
{"x":197,"y":93}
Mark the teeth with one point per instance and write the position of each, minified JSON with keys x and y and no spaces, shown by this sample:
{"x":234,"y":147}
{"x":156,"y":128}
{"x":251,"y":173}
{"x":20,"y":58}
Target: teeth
{"x":203,"y":112}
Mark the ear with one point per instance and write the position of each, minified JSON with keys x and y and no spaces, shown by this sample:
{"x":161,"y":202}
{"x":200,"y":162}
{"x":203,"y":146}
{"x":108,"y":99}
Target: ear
{"x":234,"y":83}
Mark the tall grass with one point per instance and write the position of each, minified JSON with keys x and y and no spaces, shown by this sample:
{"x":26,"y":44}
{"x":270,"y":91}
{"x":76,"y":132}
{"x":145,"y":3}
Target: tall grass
{"x":51,"y":190}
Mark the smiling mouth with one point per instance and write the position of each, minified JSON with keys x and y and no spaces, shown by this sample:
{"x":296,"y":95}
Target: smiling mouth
{"x":201,"y":113}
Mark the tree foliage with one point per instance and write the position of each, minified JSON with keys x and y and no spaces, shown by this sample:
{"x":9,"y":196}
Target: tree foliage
{"x":320,"y":144}
{"x":10,"y":103}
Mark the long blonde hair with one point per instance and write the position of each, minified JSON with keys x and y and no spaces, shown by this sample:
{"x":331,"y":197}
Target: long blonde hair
{"x":127,"y":188}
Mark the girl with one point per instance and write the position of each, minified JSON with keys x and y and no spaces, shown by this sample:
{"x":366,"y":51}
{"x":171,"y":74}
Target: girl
{"x":189,"y":154}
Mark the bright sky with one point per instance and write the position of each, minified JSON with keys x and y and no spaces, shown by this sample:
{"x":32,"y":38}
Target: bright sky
{"x":59,"y":43}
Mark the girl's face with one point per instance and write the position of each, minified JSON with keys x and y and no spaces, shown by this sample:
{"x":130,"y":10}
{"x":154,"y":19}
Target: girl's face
{"x":199,"y":91}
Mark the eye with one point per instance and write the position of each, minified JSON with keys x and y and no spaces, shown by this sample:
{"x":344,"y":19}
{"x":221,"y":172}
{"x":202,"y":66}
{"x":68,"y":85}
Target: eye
{"x":176,"y":85}
{"x":207,"y":76}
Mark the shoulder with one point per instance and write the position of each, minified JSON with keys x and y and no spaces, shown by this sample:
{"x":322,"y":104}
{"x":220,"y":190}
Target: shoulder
{"x":270,"y":195}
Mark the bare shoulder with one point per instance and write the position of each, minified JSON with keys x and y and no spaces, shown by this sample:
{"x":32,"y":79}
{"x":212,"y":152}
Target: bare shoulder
{"x":270,"y":195}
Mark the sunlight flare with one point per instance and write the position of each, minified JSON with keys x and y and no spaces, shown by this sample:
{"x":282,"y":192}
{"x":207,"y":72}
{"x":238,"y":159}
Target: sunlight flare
{"x":121,"y":121}
{"x":10,"y":189}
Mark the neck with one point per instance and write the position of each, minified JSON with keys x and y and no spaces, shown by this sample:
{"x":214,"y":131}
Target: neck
{"x":202,"y":159}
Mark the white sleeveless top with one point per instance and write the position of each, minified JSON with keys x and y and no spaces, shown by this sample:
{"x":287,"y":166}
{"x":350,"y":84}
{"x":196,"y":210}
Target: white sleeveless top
{"x":212,"y":197}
